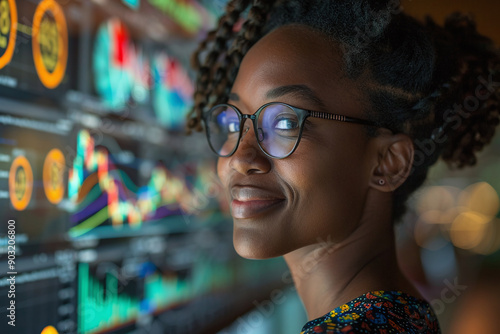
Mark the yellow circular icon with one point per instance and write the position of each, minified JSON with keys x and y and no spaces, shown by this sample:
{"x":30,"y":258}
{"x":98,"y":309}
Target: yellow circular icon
{"x":53,"y":171}
{"x":8,"y":30}
{"x":50,"y":43}
{"x":20,"y":183}
{"x":49,"y":330}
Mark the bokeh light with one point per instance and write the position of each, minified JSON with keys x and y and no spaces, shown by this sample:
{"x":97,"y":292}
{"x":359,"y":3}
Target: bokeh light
{"x":465,"y":217}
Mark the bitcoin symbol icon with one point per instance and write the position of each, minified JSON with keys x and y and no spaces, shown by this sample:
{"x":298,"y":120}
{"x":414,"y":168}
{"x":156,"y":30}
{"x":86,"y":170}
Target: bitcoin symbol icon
{"x":4,"y":23}
{"x":49,"y":43}
{"x":20,"y":188}
{"x":55,"y":176}
{"x":53,"y":170}
{"x":8,"y":30}
{"x":20,"y":183}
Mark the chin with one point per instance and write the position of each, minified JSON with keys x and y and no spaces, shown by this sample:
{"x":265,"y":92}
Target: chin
{"x":251,"y":253}
{"x":255,"y":247}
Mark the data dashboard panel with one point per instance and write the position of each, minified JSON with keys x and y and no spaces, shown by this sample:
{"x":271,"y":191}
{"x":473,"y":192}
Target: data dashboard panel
{"x":112,"y":219}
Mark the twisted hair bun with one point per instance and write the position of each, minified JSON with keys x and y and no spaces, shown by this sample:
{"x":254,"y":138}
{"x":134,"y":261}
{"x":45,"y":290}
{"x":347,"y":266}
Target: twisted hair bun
{"x":471,"y":115}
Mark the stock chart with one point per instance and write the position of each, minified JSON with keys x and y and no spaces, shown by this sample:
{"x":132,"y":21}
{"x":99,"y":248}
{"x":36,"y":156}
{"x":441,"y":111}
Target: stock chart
{"x":113,"y":220}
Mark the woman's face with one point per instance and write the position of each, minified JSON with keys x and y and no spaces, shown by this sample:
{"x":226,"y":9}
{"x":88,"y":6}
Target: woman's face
{"x":317,"y":193}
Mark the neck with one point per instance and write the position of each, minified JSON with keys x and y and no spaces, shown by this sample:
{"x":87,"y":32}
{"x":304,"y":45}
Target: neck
{"x":329,"y":274}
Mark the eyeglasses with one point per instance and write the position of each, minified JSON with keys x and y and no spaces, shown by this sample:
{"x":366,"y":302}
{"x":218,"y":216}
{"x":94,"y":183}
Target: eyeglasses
{"x":278,"y":127}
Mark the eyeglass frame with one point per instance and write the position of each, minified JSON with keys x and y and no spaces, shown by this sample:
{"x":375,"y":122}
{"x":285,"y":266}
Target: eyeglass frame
{"x":302,"y":113}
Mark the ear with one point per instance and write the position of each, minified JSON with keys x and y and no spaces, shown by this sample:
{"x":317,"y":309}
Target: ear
{"x":394,"y":161}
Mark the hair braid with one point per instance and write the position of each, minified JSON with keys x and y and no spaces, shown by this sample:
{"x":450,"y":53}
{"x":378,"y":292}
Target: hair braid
{"x":205,"y":57}
{"x":249,"y":34}
{"x":216,"y":75}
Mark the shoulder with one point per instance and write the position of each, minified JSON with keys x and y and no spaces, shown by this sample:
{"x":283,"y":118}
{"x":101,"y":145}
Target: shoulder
{"x":380,"y":312}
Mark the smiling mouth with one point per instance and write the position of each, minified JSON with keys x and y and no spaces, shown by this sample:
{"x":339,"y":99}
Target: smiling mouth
{"x":249,"y":209}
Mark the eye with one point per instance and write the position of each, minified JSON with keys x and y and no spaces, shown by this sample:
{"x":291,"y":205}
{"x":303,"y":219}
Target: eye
{"x":227,"y":120}
{"x":233,"y":125}
{"x":286,"y":124}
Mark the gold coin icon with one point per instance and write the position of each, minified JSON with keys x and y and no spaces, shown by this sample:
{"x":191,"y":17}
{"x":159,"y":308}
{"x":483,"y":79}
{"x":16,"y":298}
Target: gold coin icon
{"x":53,"y":172}
{"x":8,"y":30}
{"x":49,"y":330}
{"x":20,"y":183}
{"x":50,"y":43}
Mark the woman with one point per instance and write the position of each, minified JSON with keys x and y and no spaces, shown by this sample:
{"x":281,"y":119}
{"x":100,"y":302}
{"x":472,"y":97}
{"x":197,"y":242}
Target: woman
{"x":352,"y":102}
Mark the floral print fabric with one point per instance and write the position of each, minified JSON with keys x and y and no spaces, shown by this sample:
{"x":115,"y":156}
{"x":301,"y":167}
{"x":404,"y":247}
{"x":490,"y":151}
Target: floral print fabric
{"x":381,"y":312}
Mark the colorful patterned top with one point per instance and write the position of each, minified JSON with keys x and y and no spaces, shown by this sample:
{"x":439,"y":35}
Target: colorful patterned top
{"x":380,"y":312}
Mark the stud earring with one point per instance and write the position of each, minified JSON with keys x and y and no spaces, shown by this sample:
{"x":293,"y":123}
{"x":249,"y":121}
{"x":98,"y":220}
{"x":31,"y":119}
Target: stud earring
{"x":381,"y":182}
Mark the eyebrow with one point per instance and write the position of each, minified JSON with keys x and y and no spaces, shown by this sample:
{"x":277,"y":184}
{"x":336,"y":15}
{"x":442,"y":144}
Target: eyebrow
{"x":301,"y":91}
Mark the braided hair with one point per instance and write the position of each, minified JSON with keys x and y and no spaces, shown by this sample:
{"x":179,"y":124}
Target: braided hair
{"x":434,"y":83}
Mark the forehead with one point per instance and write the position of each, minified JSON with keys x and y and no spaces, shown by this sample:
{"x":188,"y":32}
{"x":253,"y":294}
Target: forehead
{"x":295,"y":55}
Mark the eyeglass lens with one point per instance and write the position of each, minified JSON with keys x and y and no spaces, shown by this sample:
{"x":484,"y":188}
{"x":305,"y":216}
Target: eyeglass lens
{"x":277,"y":127}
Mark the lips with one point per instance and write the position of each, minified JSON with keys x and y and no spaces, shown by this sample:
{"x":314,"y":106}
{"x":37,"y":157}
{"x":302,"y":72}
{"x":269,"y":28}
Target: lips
{"x":248,"y":202}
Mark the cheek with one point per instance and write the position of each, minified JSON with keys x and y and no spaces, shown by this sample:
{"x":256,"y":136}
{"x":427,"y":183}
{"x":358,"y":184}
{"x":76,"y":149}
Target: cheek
{"x":325,"y":164}
{"x":321,"y":179}
{"x":222,"y":168}
{"x":328,"y":188}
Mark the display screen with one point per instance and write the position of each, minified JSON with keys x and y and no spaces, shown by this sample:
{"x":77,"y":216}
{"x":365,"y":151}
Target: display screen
{"x":112,"y":219}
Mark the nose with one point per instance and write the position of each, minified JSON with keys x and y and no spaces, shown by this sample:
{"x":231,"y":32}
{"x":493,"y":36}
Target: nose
{"x":249,"y":158}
